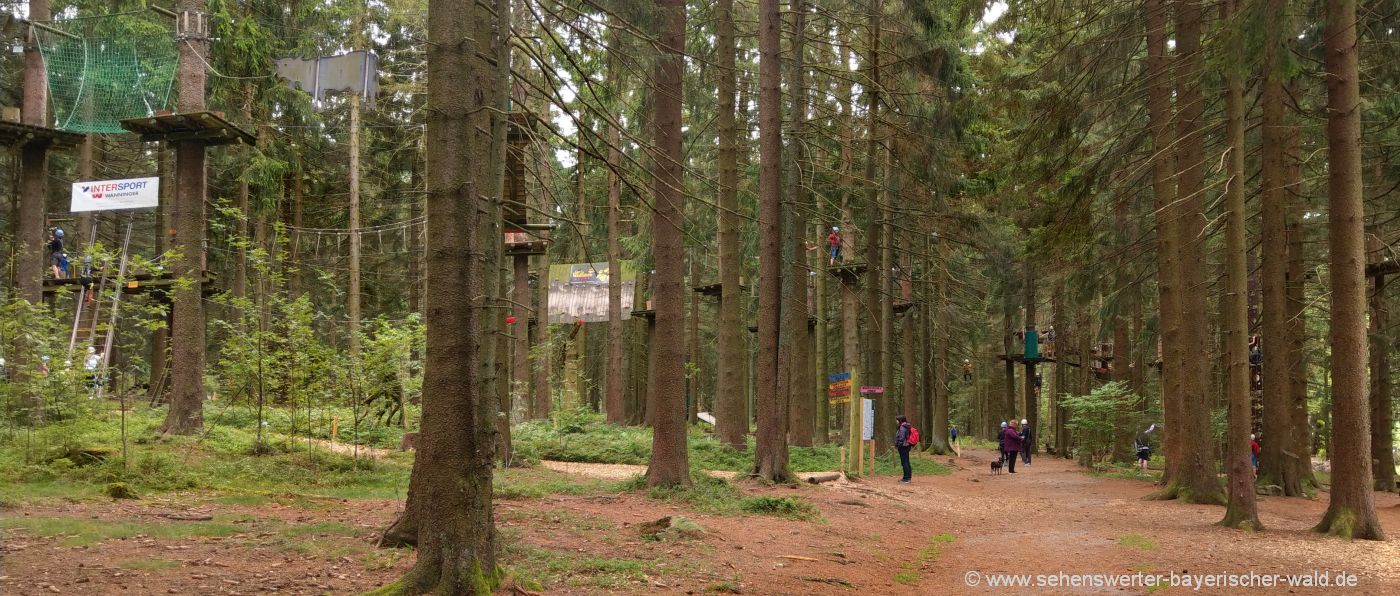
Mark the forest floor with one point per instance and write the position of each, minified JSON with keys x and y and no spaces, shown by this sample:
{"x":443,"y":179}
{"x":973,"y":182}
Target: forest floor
{"x":587,"y":536}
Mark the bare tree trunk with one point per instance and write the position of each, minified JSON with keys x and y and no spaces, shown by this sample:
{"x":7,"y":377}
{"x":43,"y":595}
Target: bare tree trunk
{"x":1242,"y":511}
{"x":771,"y":454}
{"x":186,"y":413}
{"x":240,"y":257}
{"x":1032,"y":400}
{"x":1196,"y":479}
{"x":1351,"y":511}
{"x":160,"y":338}
{"x":1278,"y":329}
{"x":1061,"y":385}
{"x":612,"y":396}
{"x":1297,"y":360}
{"x":452,"y":477}
{"x":669,"y":460}
{"x":30,"y":256}
{"x":801,"y":399}
{"x":1382,"y":412}
{"x":939,"y":340}
{"x":909,"y":372}
{"x":731,"y":422}
{"x":1121,"y":371}
{"x":873,"y":323}
{"x":1159,"y":111}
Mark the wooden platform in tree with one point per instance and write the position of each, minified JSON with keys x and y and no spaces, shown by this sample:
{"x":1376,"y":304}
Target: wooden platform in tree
{"x":525,"y":249}
{"x":716,"y":290}
{"x":649,"y":315}
{"x":1024,"y":360}
{"x":15,"y":134}
{"x":1382,"y":268}
{"x":209,"y":128}
{"x":848,"y":272}
{"x":902,"y":307}
{"x":145,"y":283}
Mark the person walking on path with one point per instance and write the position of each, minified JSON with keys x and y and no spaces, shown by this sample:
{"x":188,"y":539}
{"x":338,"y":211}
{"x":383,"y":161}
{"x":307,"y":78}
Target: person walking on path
{"x":1254,"y":453}
{"x":953,"y":440}
{"x":1011,"y":442}
{"x":1027,"y":443}
{"x":901,"y":442}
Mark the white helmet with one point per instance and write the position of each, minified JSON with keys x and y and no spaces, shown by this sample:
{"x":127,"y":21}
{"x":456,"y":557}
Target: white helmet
{"x":835,"y":229}
{"x":1024,"y":421}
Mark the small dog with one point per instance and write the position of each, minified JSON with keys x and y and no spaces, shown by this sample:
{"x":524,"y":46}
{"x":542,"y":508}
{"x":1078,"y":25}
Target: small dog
{"x":996,"y":467}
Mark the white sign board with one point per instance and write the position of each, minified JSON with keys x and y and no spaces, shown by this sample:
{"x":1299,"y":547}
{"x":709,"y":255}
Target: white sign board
{"x":109,"y":195}
{"x":867,"y":431}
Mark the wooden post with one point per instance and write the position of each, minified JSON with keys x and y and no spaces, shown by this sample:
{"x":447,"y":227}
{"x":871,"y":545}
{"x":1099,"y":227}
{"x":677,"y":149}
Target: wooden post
{"x":353,"y":291}
{"x":335,"y":428}
{"x":842,"y":451}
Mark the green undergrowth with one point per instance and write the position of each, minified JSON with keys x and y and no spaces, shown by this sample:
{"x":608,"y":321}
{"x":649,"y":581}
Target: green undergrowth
{"x":541,"y":569}
{"x":1137,"y":541}
{"x":717,"y":496}
{"x":580,"y":436}
{"x":84,"y":532}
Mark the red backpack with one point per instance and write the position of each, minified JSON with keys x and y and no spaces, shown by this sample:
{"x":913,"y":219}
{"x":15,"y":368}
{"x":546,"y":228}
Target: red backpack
{"x":913,"y":435}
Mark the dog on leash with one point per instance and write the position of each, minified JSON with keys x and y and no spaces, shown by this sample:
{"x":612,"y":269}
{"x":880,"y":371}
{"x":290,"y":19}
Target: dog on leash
{"x":996,"y":467}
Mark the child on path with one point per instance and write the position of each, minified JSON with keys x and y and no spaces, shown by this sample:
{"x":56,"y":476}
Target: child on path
{"x":1026,"y":442}
{"x":1142,"y":443}
{"x":1254,"y":453}
{"x":953,"y":440}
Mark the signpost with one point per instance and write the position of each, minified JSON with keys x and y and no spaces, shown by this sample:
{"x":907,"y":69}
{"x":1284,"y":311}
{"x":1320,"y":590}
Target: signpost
{"x":867,"y":433}
{"x":839,"y":388}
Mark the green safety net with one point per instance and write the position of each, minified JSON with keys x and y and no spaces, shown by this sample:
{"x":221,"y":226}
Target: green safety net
{"x":106,"y":69}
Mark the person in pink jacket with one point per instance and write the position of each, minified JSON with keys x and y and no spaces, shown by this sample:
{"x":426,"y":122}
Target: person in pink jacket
{"x":1011,"y":440}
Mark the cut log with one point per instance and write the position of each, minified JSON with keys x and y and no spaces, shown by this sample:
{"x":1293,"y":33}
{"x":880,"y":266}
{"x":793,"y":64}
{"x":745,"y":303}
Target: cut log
{"x":820,"y":478}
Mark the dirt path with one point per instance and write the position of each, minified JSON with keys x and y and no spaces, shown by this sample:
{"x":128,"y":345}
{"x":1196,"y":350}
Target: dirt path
{"x":625,"y":471}
{"x":875,"y":537}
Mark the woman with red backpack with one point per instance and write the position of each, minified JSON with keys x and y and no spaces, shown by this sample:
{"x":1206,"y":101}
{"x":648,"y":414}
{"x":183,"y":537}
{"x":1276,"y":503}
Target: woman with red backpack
{"x":905,"y":438}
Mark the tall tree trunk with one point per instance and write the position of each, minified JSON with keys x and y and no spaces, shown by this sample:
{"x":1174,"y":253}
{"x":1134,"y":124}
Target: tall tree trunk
{"x":1297,"y":367}
{"x":669,"y":460}
{"x":771,"y":455}
{"x":1032,"y":400}
{"x":451,"y":481}
{"x":612,"y":396}
{"x":1382,"y":412}
{"x":30,"y":255}
{"x":160,"y":338}
{"x":908,"y":372}
{"x":186,"y":413}
{"x":1242,"y":511}
{"x":1196,"y":479}
{"x":731,"y":422}
{"x":1351,"y":511}
{"x":1159,"y":110}
{"x":873,"y":309}
{"x":352,"y":292}
{"x":1278,"y":330}
{"x":802,"y":401}
{"x":1061,"y":384}
{"x":939,"y":339}
{"x":1123,"y":434}
{"x":240,"y":257}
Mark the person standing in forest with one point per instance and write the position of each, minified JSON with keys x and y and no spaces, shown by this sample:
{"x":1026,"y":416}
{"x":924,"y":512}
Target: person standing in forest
{"x":1011,"y":443}
{"x":1142,"y":444}
{"x":901,"y":442}
{"x":1026,"y":441}
{"x":1001,"y":441}
{"x":1254,"y":453}
{"x":953,"y":439}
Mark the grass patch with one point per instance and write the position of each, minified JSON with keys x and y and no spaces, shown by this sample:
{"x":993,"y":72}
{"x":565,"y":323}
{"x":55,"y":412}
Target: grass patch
{"x":246,"y":499}
{"x":723,"y":588}
{"x":789,"y":507}
{"x":906,"y":575}
{"x":83,"y":532}
{"x":149,"y":564}
{"x":536,"y":483}
{"x":1137,"y":541}
{"x":543,"y":569}
{"x":934,"y":550}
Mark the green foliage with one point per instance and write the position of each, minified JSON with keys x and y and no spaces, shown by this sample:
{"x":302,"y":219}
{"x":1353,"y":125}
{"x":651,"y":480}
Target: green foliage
{"x":1092,"y":420}
{"x":789,"y":507}
{"x":84,"y":532}
{"x":1137,"y":541}
{"x":583,"y":436}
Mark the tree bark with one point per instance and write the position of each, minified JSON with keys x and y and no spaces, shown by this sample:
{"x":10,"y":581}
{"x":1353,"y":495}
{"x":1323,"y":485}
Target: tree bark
{"x":873,"y":310}
{"x":802,"y":401}
{"x":186,"y":413}
{"x":940,"y":339}
{"x":451,"y":481}
{"x":771,"y":454}
{"x":1351,"y":511}
{"x":1164,"y":194}
{"x":160,"y":338}
{"x":669,"y":460}
{"x":1032,"y":400}
{"x":1196,"y":479}
{"x":1278,"y":329}
{"x":1382,"y":412}
{"x":1242,"y":511}
{"x":612,"y":395}
{"x":30,"y":255}
{"x":731,"y":422}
